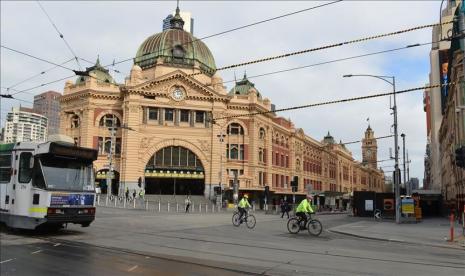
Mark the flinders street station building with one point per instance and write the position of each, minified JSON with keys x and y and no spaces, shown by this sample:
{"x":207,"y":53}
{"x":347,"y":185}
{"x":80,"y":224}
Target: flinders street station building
{"x":168,"y":143}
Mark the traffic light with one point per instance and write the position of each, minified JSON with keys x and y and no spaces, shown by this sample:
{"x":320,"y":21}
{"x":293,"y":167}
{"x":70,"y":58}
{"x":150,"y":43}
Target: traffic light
{"x":295,"y":181}
{"x":267,"y":191}
{"x":460,"y":157}
{"x":139,"y":182}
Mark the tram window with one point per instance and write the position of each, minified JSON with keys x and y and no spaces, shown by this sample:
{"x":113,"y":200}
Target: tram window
{"x":25,"y":170}
{"x":38,"y":178}
{"x":5,"y":167}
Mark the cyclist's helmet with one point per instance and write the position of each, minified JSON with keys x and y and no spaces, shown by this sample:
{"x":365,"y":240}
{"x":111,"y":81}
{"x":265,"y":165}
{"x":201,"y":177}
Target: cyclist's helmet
{"x":246,"y":196}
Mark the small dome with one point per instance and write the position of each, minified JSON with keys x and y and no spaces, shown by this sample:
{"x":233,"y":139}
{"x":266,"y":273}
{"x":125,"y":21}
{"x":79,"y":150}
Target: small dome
{"x":242,"y":87}
{"x":98,"y":72}
{"x":328,"y":139}
{"x":176,"y":47}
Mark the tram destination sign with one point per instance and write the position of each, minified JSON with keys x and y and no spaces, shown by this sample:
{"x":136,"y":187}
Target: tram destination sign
{"x":73,"y":151}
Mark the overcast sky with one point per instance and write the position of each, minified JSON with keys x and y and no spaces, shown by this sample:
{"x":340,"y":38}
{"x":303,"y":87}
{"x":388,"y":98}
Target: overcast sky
{"x":114,"y":30}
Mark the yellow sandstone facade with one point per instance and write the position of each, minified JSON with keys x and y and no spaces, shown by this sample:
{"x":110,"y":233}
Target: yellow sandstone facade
{"x":168,"y":116}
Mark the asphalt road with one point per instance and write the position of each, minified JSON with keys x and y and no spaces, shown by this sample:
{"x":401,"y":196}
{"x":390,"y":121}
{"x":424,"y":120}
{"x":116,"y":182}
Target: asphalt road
{"x":204,"y":244}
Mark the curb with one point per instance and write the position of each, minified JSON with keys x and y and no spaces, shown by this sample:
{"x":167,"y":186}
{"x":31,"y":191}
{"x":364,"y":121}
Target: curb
{"x":451,"y":246}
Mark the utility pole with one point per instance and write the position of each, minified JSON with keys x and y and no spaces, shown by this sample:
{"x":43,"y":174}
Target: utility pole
{"x":112,"y":130}
{"x":221,"y":137}
{"x":405,"y":175}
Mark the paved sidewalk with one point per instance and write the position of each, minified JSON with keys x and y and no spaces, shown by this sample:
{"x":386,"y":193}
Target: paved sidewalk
{"x":432,"y":232}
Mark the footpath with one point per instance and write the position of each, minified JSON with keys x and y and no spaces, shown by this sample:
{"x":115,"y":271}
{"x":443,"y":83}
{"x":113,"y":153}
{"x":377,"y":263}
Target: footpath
{"x":430,"y":232}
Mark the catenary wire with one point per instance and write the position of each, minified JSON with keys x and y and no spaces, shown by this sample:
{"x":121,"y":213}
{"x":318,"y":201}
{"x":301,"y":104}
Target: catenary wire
{"x":239,"y":28}
{"x":60,"y":34}
{"x":335,"y":101}
{"x":376,"y":138}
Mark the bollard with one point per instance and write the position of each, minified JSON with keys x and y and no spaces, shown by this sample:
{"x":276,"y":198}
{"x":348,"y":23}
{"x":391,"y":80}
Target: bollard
{"x":146,"y":205}
{"x":159,"y":206}
{"x":206,"y":208}
{"x":193,"y":207}
{"x":168,"y":207}
{"x":200,"y":207}
{"x":124,"y":204}
{"x":134,"y":203}
{"x":98,"y":199}
{"x":276,"y":209}
{"x":451,"y":227}
{"x":106,"y":200}
{"x":177,"y":207}
{"x":253,"y":208}
{"x":115,"y":202}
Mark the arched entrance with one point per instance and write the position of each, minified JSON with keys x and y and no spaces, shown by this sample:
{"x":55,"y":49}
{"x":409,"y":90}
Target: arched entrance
{"x":174,"y":170}
{"x":101,"y":181}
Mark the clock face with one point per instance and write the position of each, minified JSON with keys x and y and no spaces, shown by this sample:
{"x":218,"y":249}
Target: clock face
{"x":177,"y":94}
{"x":368,"y":152}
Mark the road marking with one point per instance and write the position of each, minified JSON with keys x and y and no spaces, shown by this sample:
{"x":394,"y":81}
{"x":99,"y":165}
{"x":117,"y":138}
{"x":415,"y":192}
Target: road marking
{"x":57,"y":244}
{"x":147,"y":257}
{"x":6,"y":261}
{"x":132,"y":268}
{"x":35,"y":252}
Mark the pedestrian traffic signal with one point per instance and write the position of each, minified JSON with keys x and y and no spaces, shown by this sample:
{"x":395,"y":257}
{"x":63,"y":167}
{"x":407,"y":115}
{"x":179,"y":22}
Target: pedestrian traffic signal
{"x":460,"y":157}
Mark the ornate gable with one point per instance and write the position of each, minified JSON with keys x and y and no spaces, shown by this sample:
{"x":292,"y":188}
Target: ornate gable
{"x":166,"y":85}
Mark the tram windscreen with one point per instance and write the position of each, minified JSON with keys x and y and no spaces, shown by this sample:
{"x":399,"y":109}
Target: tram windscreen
{"x":60,"y":173}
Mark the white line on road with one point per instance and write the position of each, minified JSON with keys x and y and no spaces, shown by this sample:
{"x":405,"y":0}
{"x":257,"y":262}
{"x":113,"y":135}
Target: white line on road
{"x":35,"y":252}
{"x":57,"y":244}
{"x":6,"y":261}
{"x":132,"y":268}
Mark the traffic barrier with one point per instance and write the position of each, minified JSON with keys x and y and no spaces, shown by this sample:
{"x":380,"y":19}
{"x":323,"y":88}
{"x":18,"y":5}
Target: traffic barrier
{"x":168,"y":207}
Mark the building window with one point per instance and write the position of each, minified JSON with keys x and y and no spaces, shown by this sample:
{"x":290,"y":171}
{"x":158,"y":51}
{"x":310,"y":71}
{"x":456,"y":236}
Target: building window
{"x":75,"y":122}
{"x":184,"y":116}
{"x":109,"y":120}
{"x":199,"y":116}
{"x":169,"y":115}
{"x":153,"y":113}
{"x":235,"y":129}
{"x":235,"y":151}
{"x":261,"y":134}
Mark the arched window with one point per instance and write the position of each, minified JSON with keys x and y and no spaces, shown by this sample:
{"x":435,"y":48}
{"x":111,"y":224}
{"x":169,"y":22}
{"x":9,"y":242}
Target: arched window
{"x":109,"y":120}
{"x":235,"y":129}
{"x":261,"y":133}
{"x":75,"y":121}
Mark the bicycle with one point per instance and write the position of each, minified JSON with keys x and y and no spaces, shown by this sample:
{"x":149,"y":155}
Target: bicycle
{"x":249,"y":219}
{"x":314,"y":226}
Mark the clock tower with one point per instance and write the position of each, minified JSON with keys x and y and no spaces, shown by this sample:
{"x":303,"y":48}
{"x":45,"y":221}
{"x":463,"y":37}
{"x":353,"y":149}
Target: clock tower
{"x":369,"y":149}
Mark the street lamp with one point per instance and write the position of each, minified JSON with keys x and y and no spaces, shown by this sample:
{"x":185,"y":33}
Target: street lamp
{"x":394,"y":109}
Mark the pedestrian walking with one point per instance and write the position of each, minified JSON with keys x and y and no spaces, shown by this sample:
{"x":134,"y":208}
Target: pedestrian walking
{"x":285,"y":208}
{"x":187,"y":202}
{"x":134,"y":194}
{"x":127,"y":193}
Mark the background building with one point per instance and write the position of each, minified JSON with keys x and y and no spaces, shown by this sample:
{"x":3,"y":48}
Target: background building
{"x":186,"y":17}
{"x":48,"y":104}
{"x":414,"y":183}
{"x":23,"y":124}
{"x":438,"y":74}
{"x":172,"y":144}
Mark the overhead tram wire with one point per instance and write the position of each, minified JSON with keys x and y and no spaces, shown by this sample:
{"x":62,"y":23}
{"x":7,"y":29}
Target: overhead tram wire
{"x":240,"y":28}
{"x":335,"y":101}
{"x":334,"y":61}
{"x":60,"y":34}
{"x":39,"y":74}
{"x":300,"y":52}
{"x":376,"y":138}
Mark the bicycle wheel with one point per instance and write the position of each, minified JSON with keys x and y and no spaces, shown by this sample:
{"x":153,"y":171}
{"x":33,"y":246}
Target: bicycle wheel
{"x":293,"y":225}
{"x":235,"y":220}
{"x":250,"y":221}
{"x":314,"y":227}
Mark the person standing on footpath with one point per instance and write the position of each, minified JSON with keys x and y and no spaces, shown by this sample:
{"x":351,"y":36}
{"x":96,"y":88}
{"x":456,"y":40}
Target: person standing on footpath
{"x":187,"y":202}
{"x":284,"y":208}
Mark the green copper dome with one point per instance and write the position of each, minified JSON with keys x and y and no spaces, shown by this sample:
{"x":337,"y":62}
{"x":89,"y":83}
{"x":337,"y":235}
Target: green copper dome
{"x":242,"y":87}
{"x":98,"y":72}
{"x":176,"y":47}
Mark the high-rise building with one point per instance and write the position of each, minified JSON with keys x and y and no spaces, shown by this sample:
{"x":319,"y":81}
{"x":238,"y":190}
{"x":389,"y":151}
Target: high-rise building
{"x":23,"y":124}
{"x":48,"y":104}
{"x":186,"y":17}
{"x":414,"y":183}
{"x":438,"y":74}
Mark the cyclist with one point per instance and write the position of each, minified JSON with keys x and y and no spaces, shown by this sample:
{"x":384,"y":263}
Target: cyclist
{"x":304,"y":208}
{"x":243,"y":204}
